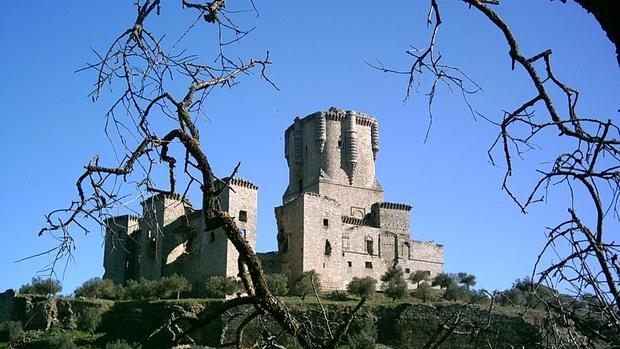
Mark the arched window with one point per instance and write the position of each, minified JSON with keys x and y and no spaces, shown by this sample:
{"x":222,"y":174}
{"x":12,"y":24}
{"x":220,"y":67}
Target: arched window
{"x":328,"y":248}
{"x":369,"y":245}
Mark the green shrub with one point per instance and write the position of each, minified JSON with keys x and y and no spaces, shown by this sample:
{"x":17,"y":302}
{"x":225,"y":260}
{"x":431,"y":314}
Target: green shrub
{"x":304,"y":285}
{"x":222,"y":286}
{"x":173,"y":285}
{"x":419,"y":276}
{"x":394,"y":284}
{"x":62,"y":341}
{"x":425,"y":292}
{"x":142,"y":289}
{"x":89,"y":319}
{"x":363,"y":287}
{"x":119,"y":344}
{"x":363,"y":333}
{"x":41,"y":286}
{"x":467,"y":280}
{"x":338,"y":296}
{"x":100,"y":289}
{"x":278,"y":284}
{"x":443,"y":280}
{"x":456,"y":293}
{"x":14,"y":330}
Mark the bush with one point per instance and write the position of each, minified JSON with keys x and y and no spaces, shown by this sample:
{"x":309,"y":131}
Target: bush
{"x":142,"y":289}
{"x":467,"y":280}
{"x":394,"y":284}
{"x":278,"y":284}
{"x":425,"y":292}
{"x":13,"y":329}
{"x":221,"y":286}
{"x":456,"y":293}
{"x":339,"y":296}
{"x":173,"y":285}
{"x":419,"y":276}
{"x":89,"y":319}
{"x":362,"y":287}
{"x":41,"y":286}
{"x":362,"y":334}
{"x":62,"y":341}
{"x":100,"y":289}
{"x":304,"y":285}
{"x":119,"y":344}
{"x":443,"y":280}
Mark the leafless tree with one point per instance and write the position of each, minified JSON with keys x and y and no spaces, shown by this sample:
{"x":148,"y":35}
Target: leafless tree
{"x":153,"y":123}
{"x":586,"y":164}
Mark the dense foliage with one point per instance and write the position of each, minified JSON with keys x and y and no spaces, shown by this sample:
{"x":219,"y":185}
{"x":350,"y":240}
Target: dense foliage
{"x":100,"y":289}
{"x":394,"y":284}
{"x":222,"y":286}
{"x":306,"y":284}
{"x":278,"y":284}
{"x":41,"y":286}
{"x":362,"y":287}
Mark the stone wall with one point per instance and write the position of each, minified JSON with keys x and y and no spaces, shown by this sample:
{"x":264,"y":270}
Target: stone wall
{"x":120,"y":231}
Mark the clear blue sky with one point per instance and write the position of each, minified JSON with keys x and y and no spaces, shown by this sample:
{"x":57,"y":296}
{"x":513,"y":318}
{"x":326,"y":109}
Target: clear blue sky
{"x":50,"y":128}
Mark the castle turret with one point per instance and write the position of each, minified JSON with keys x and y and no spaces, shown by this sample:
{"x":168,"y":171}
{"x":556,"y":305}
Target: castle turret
{"x":333,"y":154}
{"x":120,"y":245}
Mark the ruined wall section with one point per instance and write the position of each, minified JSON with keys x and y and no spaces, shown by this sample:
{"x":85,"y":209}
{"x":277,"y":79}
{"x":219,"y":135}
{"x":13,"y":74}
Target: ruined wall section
{"x":241,"y":202}
{"x":322,"y":239}
{"x":393,"y":217}
{"x":361,"y":253}
{"x":119,"y":247}
{"x":427,"y":256}
{"x":289,"y":218}
{"x":159,"y":212}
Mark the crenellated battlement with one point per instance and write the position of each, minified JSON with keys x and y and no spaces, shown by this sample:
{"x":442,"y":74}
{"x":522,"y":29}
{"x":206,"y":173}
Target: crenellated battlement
{"x":394,"y":206}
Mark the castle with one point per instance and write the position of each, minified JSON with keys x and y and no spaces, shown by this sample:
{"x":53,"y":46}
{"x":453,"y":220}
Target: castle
{"x":333,"y":219}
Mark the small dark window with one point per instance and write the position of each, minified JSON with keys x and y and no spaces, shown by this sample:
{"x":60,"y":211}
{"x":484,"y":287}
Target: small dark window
{"x":339,"y":142}
{"x":243,"y":216}
{"x":323,"y":265}
{"x":328,"y":248}
{"x":407,"y":270}
{"x":369,"y":265}
{"x":369,"y":245}
{"x":212,"y":236}
{"x":350,"y":264}
{"x":325,"y":222}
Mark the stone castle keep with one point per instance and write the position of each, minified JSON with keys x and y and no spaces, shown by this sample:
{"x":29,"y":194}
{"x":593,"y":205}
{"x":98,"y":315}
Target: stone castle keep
{"x":333,"y":219}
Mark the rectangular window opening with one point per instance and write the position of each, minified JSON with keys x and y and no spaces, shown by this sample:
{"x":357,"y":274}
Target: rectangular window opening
{"x":369,"y":265}
{"x":243,"y":216}
{"x":350,"y":264}
{"x":325,"y":222}
{"x":407,"y":270}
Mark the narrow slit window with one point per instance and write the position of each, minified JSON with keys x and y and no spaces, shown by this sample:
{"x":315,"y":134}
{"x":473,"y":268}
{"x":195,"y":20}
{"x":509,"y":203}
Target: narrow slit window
{"x":350,"y":264}
{"x":328,"y":248}
{"x":325,"y":222}
{"x":212,"y":236}
{"x":369,"y":245}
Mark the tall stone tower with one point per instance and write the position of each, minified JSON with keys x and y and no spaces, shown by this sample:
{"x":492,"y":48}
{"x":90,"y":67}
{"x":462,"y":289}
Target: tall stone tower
{"x":331,"y":158}
{"x":333,"y":154}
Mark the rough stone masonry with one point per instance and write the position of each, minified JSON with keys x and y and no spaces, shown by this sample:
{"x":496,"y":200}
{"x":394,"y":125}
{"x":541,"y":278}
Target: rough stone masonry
{"x":333,"y":219}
